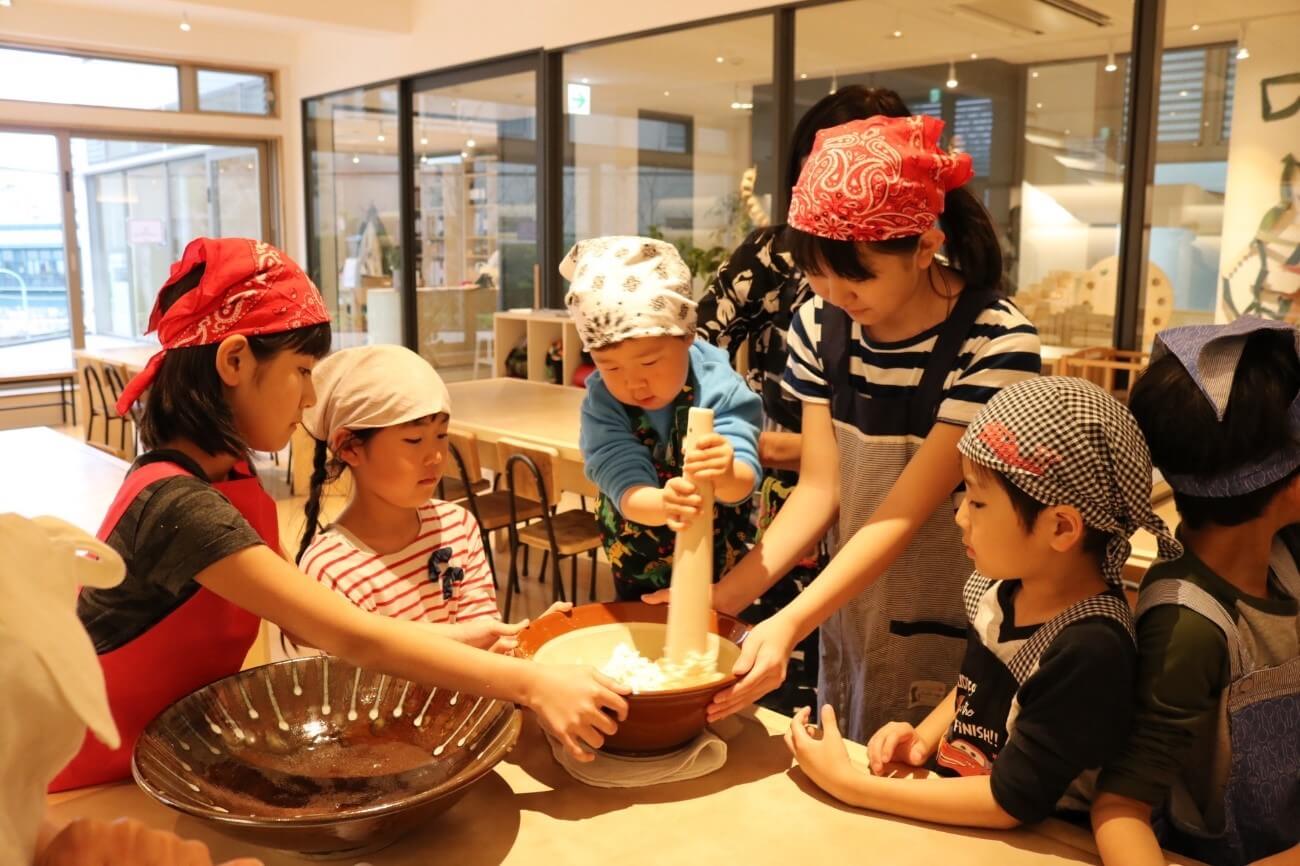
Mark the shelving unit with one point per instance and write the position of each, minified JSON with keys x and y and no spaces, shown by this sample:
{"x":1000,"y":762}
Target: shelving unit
{"x":458,"y":212}
{"x":539,"y":328}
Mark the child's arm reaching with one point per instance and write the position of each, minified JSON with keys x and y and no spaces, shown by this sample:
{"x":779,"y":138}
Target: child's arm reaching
{"x":967,"y":802}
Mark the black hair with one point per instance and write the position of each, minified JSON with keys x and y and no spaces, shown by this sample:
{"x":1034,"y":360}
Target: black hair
{"x":324,"y":470}
{"x":1187,"y":438}
{"x":1027,"y":510}
{"x":187,"y":400}
{"x":854,"y":102}
{"x":971,"y":245}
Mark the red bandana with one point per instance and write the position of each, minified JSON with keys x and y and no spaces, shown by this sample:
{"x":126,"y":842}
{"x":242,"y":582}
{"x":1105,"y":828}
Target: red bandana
{"x":876,"y":179}
{"x":248,"y":287}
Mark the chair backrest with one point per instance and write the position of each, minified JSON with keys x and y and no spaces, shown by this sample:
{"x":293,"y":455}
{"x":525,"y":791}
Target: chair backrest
{"x":523,"y":482}
{"x":1102,"y":366}
{"x":116,"y":385}
{"x":464,"y":463}
{"x":96,"y":399}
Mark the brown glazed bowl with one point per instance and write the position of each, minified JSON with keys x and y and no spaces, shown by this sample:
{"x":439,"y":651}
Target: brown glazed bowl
{"x":657,"y":722}
{"x":316,"y":756}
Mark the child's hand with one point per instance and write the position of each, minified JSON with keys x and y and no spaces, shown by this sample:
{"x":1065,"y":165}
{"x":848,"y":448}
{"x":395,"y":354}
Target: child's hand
{"x":682,"y":503}
{"x":711,"y":459}
{"x":574,"y":704}
{"x":92,"y":842}
{"x":824,"y":759}
{"x":558,"y":607}
{"x":896,"y":743}
{"x":487,"y":632}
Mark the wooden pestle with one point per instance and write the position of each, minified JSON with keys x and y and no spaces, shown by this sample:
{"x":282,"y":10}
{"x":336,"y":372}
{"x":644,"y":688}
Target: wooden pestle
{"x":691,"y":605}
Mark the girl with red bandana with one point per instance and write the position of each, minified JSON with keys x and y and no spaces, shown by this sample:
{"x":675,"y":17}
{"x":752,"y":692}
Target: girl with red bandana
{"x":241,"y":328}
{"x":906,"y":338}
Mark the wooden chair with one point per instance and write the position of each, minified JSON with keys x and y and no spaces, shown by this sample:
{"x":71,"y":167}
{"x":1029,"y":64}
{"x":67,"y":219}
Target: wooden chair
{"x":130,"y":422}
{"x":492,"y":509}
{"x":96,"y":404}
{"x":564,"y":534}
{"x":465,"y":472}
{"x":1114,"y":370}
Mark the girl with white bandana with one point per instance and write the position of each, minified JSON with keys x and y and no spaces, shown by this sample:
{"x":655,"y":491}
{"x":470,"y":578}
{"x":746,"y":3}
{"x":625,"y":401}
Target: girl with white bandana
{"x":1057,"y":481}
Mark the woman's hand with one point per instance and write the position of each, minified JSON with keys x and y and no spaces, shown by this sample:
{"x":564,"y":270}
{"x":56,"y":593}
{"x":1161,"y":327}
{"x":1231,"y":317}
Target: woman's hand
{"x":764,"y":654}
{"x":577,"y":705}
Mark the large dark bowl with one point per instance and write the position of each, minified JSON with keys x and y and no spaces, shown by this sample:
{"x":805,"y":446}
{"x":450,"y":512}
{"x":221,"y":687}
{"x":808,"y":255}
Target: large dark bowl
{"x":316,"y":756}
{"x":657,"y":722}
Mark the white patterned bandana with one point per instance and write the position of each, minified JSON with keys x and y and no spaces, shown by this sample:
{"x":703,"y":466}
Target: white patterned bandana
{"x":627,"y":287}
{"x":1064,"y":441}
{"x":1210,"y":354}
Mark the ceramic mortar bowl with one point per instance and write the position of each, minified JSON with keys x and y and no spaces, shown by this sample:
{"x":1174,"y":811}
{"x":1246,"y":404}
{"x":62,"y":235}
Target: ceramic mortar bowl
{"x":657,"y":722}
{"x":318,"y":757}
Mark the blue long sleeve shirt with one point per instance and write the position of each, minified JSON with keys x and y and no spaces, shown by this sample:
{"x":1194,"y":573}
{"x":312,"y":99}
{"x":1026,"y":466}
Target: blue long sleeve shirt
{"x":616,"y":461}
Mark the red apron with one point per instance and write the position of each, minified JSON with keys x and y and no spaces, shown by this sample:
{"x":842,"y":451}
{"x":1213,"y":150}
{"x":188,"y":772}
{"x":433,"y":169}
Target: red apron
{"x":203,"y":640}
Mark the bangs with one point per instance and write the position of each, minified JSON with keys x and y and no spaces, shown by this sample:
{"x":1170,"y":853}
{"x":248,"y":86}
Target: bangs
{"x":823,"y":256}
{"x":313,"y":340}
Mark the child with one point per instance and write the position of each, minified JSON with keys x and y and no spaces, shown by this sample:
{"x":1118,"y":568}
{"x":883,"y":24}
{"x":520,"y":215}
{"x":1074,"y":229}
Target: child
{"x":630,"y":300}
{"x":1213,"y":761}
{"x":891,"y":360}
{"x":383,"y":413}
{"x":241,"y":327}
{"x":1057,"y":480}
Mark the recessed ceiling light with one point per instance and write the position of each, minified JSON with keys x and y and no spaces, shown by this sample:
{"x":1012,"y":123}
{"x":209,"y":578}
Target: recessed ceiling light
{"x":803,"y":75}
{"x":1195,"y":27}
{"x":668,"y":93}
{"x":586,"y":81}
{"x":380,"y":137}
{"x":424,"y":141}
{"x":720,"y":59}
{"x":356,"y":160}
{"x":1033,"y":74}
{"x":897,"y":34}
{"x":464,"y":155}
{"x":1182,"y":93}
{"x":1038,"y":105}
{"x":974,"y":55}
{"x":469,"y":142}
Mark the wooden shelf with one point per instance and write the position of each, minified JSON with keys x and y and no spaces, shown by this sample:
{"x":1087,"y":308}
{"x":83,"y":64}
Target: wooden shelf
{"x":538,"y":328}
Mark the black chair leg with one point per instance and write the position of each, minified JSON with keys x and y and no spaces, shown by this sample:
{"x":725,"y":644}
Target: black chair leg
{"x":546,"y":559}
{"x":492,"y":566}
{"x":591,"y":592}
{"x":558,"y":590}
{"x":511,"y":584}
{"x":573,"y":585}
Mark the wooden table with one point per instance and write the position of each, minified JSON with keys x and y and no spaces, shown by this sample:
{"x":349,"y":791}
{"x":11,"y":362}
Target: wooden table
{"x":549,"y":415}
{"x":755,"y":810}
{"x":47,"y":472}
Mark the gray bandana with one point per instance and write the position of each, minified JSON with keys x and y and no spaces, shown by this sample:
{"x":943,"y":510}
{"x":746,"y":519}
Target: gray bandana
{"x":1064,"y":441}
{"x":1210,"y":354}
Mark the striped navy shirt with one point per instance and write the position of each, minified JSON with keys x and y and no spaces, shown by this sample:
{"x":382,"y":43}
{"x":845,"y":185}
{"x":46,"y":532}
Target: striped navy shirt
{"x":1001,"y":349}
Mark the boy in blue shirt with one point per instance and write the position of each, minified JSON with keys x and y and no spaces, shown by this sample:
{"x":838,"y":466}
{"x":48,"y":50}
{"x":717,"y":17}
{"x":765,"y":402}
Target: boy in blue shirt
{"x":630,"y":299}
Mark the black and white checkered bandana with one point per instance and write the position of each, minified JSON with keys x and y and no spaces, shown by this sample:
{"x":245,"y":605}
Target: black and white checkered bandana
{"x":1064,"y":441}
{"x":1210,"y":354}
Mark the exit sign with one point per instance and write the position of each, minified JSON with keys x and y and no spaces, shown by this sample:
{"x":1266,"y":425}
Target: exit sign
{"x":579,"y":98}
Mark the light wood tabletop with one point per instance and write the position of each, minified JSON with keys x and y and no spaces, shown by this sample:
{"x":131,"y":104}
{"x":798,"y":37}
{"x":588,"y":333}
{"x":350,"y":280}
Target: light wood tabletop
{"x":549,"y":415}
{"x":130,"y":358}
{"x":755,"y":810}
{"x":48,"y":472}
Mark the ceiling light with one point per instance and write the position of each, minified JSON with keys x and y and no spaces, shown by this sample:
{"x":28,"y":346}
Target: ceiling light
{"x":743,"y":106}
{"x":803,"y":75}
{"x":6,"y":2}
{"x":464,"y":155}
{"x":974,"y":56}
{"x":469,"y":143}
{"x":1038,"y":105}
{"x":1243,"y":53}
{"x":379,"y":137}
{"x":668,"y":93}
{"x":424,"y":141}
{"x":586,"y":81}
{"x":720,"y":59}
{"x":952,"y":75}
{"x":897,"y":34}
{"x":356,"y":160}
{"x":185,"y":22}
{"x":1182,"y":93}
{"x":1111,"y":66}
{"x":1034,"y":74}
{"x":1195,"y":27}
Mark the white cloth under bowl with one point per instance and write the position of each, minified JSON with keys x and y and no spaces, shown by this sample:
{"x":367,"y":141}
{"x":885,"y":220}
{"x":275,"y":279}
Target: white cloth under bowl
{"x":701,"y":756}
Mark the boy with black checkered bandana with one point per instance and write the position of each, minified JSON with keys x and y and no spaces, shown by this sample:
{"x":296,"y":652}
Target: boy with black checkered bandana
{"x":1057,"y":480}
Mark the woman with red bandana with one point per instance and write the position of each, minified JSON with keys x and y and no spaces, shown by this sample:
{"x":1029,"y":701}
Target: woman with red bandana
{"x":907,"y":337}
{"x":241,"y":327}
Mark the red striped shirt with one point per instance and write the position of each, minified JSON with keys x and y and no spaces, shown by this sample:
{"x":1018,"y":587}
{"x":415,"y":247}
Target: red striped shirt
{"x":399,"y":584}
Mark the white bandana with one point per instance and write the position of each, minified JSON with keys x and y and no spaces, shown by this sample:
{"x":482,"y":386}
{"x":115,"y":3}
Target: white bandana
{"x":627,"y":287}
{"x":372,"y":386}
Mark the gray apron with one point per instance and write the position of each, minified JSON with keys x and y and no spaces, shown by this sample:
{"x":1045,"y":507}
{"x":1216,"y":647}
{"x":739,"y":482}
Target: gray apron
{"x":894,"y":650}
{"x":1259,"y":716}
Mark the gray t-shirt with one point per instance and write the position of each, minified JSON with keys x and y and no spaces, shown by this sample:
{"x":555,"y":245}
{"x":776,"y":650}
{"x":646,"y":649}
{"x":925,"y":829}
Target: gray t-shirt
{"x":174,"y":529}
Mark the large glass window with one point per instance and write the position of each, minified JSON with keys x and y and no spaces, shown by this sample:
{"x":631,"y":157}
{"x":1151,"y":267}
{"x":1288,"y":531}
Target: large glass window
{"x":139,"y":203}
{"x":1041,"y":111}
{"x":71,"y":79}
{"x":476,"y":223}
{"x":354,"y":203}
{"x":33,"y":275}
{"x":672,"y":136}
{"x":1224,"y":235}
